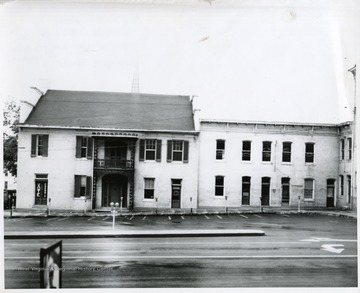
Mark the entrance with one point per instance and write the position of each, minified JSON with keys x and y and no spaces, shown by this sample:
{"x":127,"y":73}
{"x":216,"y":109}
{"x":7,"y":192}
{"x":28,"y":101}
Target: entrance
{"x":265,"y":191}
{"x":285,"y":191}
{"x":330,"y":193}
{"x":41,"y":192}
{"x":114,"y":187}
{"x":175,"y":193}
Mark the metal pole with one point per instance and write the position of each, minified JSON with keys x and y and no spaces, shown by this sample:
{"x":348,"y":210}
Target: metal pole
{"x":113,"y":226}
{"x":354,"y":145}
{"x":49,"y":207}
{"x":299,"y":204}
{"x":121,"y":201}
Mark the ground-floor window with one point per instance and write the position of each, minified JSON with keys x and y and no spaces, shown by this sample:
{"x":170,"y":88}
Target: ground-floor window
{"x":149,"y":188}
{"x":349,"y":188}
{"x":265,"y":191}
{"x":82,"y":186}
{"x":246,"y":184}
{"x":309,"y":188}
{"x":219,"y":185}
{"x":285,"y":190}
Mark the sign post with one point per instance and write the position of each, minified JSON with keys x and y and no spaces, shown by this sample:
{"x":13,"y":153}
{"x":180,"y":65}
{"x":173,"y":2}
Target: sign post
{"x":114,"y":210}
{"x":50,"y":266}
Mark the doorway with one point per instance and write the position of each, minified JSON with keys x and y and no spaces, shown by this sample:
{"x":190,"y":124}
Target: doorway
{"x":265,"y":191}
{"x":330,"y":193}
{"x":41,"y":192}
{"x":114,"y":189}
{"x":285,"y":191}
{"x":175,"y":193}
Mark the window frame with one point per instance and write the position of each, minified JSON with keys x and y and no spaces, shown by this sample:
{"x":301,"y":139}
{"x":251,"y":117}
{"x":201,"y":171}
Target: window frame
{"x":221,"y":186}
{"x":220,"y":149}
{"x":84,"y":147}
{"x":171,"y":144}
{"x":152,"y":197}
{"x":82,"y":182}
{"x":349,"y":143}
{"x":39,"y":145}
{"x":342,"y":149}
{"x":266,"y":153}
{"x":246,"y":152}
{"x":312,"y":189}
{"x":341,"y":185}
{"x":245,"y":185}
{"x":150,"y":148}
{"x":285,"y":152}
{"x":309,"y":154}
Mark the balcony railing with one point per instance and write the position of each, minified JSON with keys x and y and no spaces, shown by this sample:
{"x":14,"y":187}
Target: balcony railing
{"x":117,"y":164}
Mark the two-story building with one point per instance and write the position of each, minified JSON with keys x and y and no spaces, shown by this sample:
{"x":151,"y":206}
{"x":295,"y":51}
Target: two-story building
{"x":274,"y":164}
{"x":83,"y":150}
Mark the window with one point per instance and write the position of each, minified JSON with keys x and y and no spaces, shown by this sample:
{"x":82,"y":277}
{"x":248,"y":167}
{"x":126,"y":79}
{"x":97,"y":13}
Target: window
{"x":83,"y":147}
{"x":246,"y":184}
{"x":219,"y":185}
{"x":285,"y":190}
{"x":309,"y":189}
{"x":266,"y":154}
{"x":342,"y":149}
{"x":309,"y":152}
{"x":150,"y":150}
{"x":349,"y":148}
{"x":286,"y":155}
{"x":178,"y":150}
{"x":39,"y":145}
{"x":6,"y":185}
{"x":349,"y":188}
{"x":220,"y":149}
{"x":83,"y":185}
{"x":246,"y":150}
{"x":149,"y":188}
{"x":341,"y":185}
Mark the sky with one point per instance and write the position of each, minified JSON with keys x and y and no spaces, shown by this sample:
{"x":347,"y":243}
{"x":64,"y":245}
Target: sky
{"x":284,"y":61}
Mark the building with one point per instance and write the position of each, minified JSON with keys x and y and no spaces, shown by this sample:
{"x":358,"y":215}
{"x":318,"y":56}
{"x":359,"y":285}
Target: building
{"x":10,"y":184}
{"x":261,"y":164}
{"x":84,"y":150}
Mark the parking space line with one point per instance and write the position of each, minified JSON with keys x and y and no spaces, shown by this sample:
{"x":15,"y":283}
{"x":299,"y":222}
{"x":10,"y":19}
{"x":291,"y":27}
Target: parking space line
{"x":286,"y":216}
{"x":182,"y":217}
{"x":105,"y":218}
{"x":91,"y":218}
{"x":48,"y":220}
{"x":144,"y":218}
{"x":62,"y":219}
{"x":132,"y":217}
{"x":257,"y":216}
{"x":219,"y":216}
{"x":244,"y":216}
{"x":169,"y":218}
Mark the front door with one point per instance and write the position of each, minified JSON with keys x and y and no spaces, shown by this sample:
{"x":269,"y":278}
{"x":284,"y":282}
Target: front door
{"x":175,"y":193}
{"x":285,"y":191}
{"x":40,"y":192}
{"x":265,"y":191}
{"x":114,"y":189}
{"x":330,"y":193}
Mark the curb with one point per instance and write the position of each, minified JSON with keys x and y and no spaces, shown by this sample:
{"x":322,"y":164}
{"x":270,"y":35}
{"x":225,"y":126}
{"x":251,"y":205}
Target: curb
{"x":134,"y":234}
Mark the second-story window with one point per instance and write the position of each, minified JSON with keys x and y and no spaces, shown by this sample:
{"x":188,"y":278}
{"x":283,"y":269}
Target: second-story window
{"x":150,"y":150}
{"x":39,"y":145}
{"x":178,"y":150}
{"x":220,"y":149}
{"x":83,"y":147}
{"x":341,"y":185}
{"x":286,"y":155}
{"x":342,"y":149}
{"x":309,"y":152}
{"x":349,"y":148}
{"x":246,"y":150}
{"x":266,"y":153}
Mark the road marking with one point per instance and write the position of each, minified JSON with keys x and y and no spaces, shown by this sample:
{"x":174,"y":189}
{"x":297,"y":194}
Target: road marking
{"x":48,"y":220}
{"x":91,"y":218}
{"x":327,"y":240}
{"x":62,"y":219}
{"x":144,"y":218}
{"x":182,"y":217}
{"x":105,"y":218}
{"x":193,"y":257}
{"x":206,"y":217}
{"x":257,"y":216}
{"x":244,"y":216}
{"x":286,"y":216}
{"x":132,"y":217}
{"x":219,"y":216}
{"x":169,"y":218}
{"x":332,"y":248}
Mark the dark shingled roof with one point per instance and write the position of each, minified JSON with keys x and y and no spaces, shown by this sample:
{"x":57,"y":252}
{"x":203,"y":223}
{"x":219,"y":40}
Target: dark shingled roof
{"x":113,"y":110}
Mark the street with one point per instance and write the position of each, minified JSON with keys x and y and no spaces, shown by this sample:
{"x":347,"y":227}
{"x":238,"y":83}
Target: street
{"x":297,"y":251}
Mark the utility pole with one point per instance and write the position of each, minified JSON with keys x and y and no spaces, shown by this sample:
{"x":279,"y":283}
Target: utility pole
{"x":354,"y":145}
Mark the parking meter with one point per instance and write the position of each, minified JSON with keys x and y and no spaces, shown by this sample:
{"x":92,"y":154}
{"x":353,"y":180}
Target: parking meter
{"x":114,"y":209}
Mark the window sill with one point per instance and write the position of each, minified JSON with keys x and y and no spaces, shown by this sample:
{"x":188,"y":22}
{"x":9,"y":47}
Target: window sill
{"x":267,"y":163}
{"x":149,"y":200}
{"x":308,"y":199}
{"x":81,"y":197}
{"x":286,"y":163}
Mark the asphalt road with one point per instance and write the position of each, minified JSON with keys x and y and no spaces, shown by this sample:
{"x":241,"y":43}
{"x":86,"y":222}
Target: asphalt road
{"x":297,"y":251}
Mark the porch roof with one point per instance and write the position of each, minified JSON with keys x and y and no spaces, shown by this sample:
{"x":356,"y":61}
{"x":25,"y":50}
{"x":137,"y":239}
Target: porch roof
{"x":113,"y":110}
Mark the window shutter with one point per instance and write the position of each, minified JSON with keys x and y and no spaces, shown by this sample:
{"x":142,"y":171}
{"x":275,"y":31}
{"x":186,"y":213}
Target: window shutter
{"x":89,"y":148}
{"x":169,"y":150}
{"x":186,"y":151}
{"x":158,"y":150}
{"x":46,"y":145}
{"x":77,"y":185}
{"x":33,"y":145}
{"x":78,"y":147}
{"x":88,"y":186}
{"x":142,"y":149}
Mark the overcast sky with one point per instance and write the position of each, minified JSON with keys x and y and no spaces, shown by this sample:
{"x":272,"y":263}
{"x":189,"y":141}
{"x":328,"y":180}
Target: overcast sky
{"x":246,"y":60}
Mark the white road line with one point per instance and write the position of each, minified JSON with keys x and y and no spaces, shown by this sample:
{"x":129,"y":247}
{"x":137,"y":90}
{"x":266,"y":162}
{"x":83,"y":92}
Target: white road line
{"x":206,"y":217}
{"x":285,"y":215}
{"x":105,"y":218}
{"x":62,"y":219}
{"x":195,"y":257}
{"x":132,"y":217}
{"x":48,"y":220}
{"x":257,"y":216}
{"x":219,"y":217}
{"x":91,"y":218}
{"x":244,"y":216}
{"x":182,"y":217}
{"x":144,"y":218}
{"x":169,"y":218}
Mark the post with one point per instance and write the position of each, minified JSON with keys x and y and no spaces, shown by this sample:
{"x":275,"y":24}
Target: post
{"x":260,"y":204}
{"x":299,"y":204}
{"x":156,"y":199}
{"x":48,"y":211}
{"x":226,"y":209}
{"x":114,"y":210}
{"x":190,"y":205}
{"x":121,"y":201}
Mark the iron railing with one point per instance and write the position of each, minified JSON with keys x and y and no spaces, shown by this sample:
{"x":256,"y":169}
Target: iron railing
{"x":117,"y":164}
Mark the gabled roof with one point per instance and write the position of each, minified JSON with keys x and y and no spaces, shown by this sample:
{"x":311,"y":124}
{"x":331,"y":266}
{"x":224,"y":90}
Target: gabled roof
{"x":112,"y":110}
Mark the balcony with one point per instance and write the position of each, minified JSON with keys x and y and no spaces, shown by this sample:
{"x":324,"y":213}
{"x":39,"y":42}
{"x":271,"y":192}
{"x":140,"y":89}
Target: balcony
{"x":114,"y":164}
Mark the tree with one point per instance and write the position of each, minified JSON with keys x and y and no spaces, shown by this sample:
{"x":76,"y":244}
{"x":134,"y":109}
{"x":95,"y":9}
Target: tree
{"x":11,"y":112}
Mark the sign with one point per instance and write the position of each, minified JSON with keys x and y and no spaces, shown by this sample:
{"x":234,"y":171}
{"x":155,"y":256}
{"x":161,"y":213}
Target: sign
{"x":115,"y":133}
{"x":50,"y":266}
